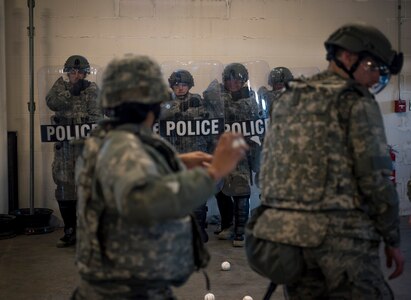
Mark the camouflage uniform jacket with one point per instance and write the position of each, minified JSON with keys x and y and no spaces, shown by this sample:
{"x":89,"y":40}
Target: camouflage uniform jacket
{"x":191,"y":107}
{"x":242,"y":109}
{"x":71,"y":109}
{"x":269,"y":97}
{"x":325,"y":155}
{"x":133,"y":207}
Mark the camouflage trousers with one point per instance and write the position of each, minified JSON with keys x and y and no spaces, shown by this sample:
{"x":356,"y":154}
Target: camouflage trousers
{"x":342,"y":268}
{"x":116,"y":290}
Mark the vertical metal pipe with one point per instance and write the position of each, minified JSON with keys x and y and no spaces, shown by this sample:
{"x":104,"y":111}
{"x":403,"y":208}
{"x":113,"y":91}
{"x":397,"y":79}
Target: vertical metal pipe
{"x":31,"y":104}
{"x":399,"y":24}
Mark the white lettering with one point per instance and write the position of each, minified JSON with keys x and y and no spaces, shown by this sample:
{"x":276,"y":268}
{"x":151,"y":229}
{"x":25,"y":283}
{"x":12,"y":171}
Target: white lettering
{"x":68,"y":133}
{"x":156,"y":128}
{"x":85,"y":130}
{"x":181,"y":128}
{"x":236,"y":127}
{"x":50,"y":131}
{"x":170,"y":125}
{"x":190,"y":128}
{"x":245,"y":129}
{"x":60,"y":133}
{"x":259,"y":126}
{"x":205,"y":127}
{"x":214,"y":126}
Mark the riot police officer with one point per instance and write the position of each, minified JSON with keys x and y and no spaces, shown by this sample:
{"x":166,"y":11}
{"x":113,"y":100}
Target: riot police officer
{"x":240,"y":107}
{"x":74,"y":102}
{"x":277,"y":79}
{"x":187,"y":106}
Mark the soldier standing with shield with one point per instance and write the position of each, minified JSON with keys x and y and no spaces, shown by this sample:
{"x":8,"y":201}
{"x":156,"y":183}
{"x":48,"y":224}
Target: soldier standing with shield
{"x":74,"y":102}
{"x":277,"y":79}
{"x":240,"y":108}
{"x":187,"y":106}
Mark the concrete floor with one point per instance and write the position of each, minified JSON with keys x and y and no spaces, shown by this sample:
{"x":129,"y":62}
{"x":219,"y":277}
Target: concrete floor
{"x":32,"y":268}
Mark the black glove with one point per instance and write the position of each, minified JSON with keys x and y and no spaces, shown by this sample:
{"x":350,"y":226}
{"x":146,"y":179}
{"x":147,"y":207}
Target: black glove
{"x":194,"y":102}
{"x":184,"y":105}
{"x":79,"y":86}
{"x":241,"y":94}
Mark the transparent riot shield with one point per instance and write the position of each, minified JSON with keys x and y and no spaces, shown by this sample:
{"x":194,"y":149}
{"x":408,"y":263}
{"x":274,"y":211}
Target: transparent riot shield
{"x":189,"y":121}
{"x":193,"y":119}
{"x":68,"y":111}
{"x":304,"y":72}
{"x":273,"y":87}
{"x":243,"y":112}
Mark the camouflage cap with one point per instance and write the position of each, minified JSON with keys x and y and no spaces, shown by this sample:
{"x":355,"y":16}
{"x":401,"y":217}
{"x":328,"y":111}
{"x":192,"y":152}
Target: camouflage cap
{"x":132,"y":79}
{"x":279,"y":75}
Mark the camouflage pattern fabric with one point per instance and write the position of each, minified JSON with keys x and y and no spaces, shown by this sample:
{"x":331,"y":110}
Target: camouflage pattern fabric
{"x":74,"y":109}
{"x":132,"y":79}
{"x":133,"y":223}
{"x":326,"y":152}
{"x":243,"y":108}
{"x":70,"y":109}
{"x":311,"y":163}
{"x":351,"y":272}
{"x":268,"y":97}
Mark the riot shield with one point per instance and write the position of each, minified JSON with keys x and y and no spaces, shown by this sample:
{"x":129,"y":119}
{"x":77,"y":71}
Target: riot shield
{"x":189,"y":121}
{"x":243,"y":112}
{"x":304,"y":72}
{"x":68,"y":111}
{"x":273,"y":87}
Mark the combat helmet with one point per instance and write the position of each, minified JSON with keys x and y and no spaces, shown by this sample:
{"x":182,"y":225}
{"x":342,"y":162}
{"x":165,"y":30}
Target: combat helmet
{"x":365,"y":40}
{"x":132,"y":79}
{"x":77,"y":62}
{"x":235,"y":71}
{"x":279,"y":75}
{"x":181,"y":76}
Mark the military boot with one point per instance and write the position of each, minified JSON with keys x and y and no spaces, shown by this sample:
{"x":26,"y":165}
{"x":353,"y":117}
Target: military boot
{"x":68,"y":213}
{"x":69,"y":238}
{"x":241,"y":212}
{"x":225,"y":206}
{"x":201,"y":216}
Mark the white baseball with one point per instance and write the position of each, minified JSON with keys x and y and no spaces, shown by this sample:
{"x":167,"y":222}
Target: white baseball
{"x":248,"y":298}
{"x":238,"y":142}
{"x":209,"y":296}
{"x":225,"y":266}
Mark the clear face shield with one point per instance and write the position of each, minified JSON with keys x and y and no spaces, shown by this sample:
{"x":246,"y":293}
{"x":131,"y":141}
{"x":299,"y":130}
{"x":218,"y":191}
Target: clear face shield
{"x":384,"y":78}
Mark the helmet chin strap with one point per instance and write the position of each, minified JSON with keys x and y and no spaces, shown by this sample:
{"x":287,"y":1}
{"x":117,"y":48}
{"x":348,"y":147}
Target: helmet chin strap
{"x":350,"y":72}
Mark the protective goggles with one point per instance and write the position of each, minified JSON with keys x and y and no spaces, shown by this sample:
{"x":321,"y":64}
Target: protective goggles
{"x":384,"y":72}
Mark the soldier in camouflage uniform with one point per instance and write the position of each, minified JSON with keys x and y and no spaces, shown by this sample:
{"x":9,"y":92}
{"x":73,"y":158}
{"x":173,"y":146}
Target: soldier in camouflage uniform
{"x":234,"y":199}
{"x":277,"y":79}
{"x":74,"y":102}
{"x":187,"y":106}
{"x":135,"y":236}
{"x":325,"y":175}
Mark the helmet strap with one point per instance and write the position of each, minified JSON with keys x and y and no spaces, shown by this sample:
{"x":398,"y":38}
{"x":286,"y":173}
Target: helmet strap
{"x":350,"y":72}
